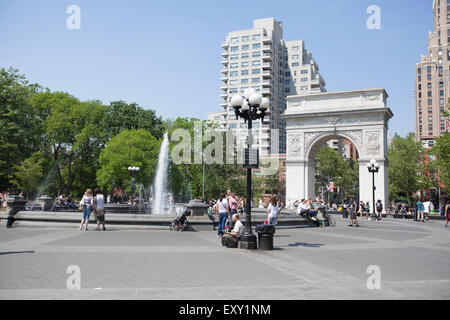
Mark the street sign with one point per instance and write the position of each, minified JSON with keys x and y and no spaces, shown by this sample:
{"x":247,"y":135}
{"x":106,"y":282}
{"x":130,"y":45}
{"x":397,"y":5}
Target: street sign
{"x":251,"y":158}
{"x":331,"y":186}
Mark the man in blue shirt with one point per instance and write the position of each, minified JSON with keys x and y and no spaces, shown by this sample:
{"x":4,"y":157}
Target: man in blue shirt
{"x":420,"y":208}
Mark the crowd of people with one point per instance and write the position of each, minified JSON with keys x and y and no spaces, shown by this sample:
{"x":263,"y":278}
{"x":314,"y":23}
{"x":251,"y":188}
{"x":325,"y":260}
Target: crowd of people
{"x":229,"y":208}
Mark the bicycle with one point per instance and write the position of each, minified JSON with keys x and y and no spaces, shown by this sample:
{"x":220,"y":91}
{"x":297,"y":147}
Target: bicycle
{"x":330,"y":219}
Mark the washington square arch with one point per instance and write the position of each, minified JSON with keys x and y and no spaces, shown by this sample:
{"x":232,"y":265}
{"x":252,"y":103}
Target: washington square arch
{"x":360,"y":116}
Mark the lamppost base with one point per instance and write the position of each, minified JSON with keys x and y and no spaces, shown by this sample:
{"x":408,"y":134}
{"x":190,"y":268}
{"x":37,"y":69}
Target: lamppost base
{"x":248,"y":242}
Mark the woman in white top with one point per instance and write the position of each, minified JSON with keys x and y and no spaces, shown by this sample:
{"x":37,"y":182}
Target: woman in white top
{"x":86,"y":204}
{"x":222,"y":211}
{"x":272,"y":211}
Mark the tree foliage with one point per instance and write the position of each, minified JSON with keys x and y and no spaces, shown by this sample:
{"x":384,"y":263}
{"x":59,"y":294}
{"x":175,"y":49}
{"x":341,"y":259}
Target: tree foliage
{"x":405,"y":156}
{"x":130,"y":148}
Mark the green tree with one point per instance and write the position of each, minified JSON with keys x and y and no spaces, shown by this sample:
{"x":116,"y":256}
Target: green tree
{"x":126,"y":116}
{"x":28,"y":174}
{"x":135,"y":148}
{"x":330,"y":166}
{"x":20,"y":127}
{"x":73,"y":135}
{"x":404,"y":155}
{"x":442,"y":152}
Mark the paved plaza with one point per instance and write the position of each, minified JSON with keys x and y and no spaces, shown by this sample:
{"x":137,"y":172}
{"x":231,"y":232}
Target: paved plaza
{"x":307,"y":263}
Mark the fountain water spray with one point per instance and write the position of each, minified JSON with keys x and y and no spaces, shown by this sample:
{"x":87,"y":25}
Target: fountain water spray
{"x":160,"y":192}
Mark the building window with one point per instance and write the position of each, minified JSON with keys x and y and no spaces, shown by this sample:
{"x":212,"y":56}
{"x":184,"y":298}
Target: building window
{"x":234,"y":57}
{"x":244,"y":81}
{"x":232,"y":125}
{"x":244,"y":72}
{"x":419,"y":70}
{"x":441,"y":93}
{"x":256,"y":54}
{"x":428,"y":69}
{"x":256,"y":46}
{"x":256,"y":63}
{"x":429,"y":85}
{"x":255,"y":80}
{"x":441,"y":84}
{"x":304,"y":79}
{"x":245,"y":47}
{"x":244,"y":64}
{"x":256,"y":36}
{"x":245,"y":38}
{"x":233,"y":90}
{"x":234,"y":40}
{"x":233,"y":74}
{"x":441,"y":101}
{"x":296,"y":48}
{"x":235,"y":48}
{"x":430,"y":102}
{"x":295,"y":64}
{"x":428,"y":76}
{"x":430,"y":110}
{"x":256,"y":71}
{"x":429,"y":93}
{"x":233,"y":82}
{"x":304,"y":71}
{"x":233,"y":65}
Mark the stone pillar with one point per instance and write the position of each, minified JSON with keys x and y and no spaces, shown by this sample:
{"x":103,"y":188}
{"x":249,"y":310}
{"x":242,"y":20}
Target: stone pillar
{"x":296,"y":177}
{"x":15,"y":204}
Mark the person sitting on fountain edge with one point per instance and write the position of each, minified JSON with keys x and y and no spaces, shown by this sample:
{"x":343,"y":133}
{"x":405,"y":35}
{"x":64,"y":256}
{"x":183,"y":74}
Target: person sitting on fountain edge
{"x":231,"y":239}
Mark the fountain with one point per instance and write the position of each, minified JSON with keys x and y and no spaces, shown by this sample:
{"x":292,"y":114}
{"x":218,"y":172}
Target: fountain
{"x":160,"y":192}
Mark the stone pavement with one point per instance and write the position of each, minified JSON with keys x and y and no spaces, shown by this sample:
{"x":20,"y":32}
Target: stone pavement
{"x":307,"y":263}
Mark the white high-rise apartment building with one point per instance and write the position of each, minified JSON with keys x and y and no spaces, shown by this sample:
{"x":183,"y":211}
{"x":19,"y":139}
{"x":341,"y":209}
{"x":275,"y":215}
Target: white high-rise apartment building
{"x":259,"y":58}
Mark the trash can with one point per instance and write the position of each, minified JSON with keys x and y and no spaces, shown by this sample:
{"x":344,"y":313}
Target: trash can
{"x":265,"y":236}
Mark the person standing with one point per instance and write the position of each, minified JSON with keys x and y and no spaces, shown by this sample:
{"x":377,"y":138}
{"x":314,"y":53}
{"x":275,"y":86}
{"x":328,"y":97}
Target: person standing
{"x":222,"y":210}
{"x":99,"y":209}
{"x":367,"y":209}
{"x":362,"y":209}
{"x":233,"y":206}
{"x":353,"y":213}
{"x":419,"y":208}
{"x":86,"y":204}
{"x":272,"y":211}
{"x":447,"y":213}
{"x":379,"y":209}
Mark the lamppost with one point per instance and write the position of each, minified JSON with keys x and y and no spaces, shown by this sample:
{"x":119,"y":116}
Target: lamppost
{"x":252,"y":107}
{"x":373,"y":166}
{"x":132,"y":171}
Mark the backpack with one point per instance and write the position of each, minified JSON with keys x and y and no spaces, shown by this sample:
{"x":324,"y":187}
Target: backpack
{"x":379,"y":206}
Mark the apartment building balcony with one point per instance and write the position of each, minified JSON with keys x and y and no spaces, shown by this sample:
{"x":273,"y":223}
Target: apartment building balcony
{"x":225,"y":45}
{"x":266,"y":74}
{"x":224,"y":62}
{"x":225,"y":54}
{"x":224,"y":104}
{"x":224,"y":95}
{"x":224,"y":71}
{"x":267,"y":49}
{"x":267,"y":57}
{"x":224,"y":87}
{"x":224,"y":78}
{"x":266,"y":83}
{"x":267,"y":65}
{"x":265,"y":91}
{"x":267,"y":40}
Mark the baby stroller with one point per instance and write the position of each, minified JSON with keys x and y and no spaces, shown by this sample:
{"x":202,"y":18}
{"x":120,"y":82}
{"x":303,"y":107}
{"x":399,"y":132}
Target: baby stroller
{"x":181,"y":222}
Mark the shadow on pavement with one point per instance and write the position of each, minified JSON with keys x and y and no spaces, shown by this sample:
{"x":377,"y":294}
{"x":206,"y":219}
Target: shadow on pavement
{"x":305,"y":244}
{"x":14,"y":252}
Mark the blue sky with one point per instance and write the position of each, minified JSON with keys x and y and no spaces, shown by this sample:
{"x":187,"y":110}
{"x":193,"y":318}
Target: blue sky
{"x":165,"y":55}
